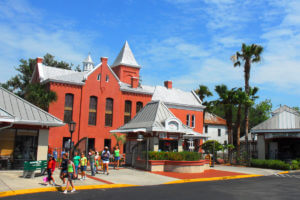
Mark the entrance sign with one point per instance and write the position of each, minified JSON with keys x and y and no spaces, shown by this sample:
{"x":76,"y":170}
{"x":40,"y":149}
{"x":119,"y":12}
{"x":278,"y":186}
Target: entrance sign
{"x":281,"y":135}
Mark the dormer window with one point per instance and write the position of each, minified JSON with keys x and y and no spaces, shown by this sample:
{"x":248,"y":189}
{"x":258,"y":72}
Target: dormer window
{"x":99,"y":77}
{"x":107,"y":78}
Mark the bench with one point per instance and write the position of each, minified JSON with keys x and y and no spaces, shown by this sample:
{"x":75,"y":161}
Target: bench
{"x":30,"y":167}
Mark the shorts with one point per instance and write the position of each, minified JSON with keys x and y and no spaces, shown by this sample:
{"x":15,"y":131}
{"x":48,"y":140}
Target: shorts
{"x":117,"y":158}
{"x":83,"y":168}
{"x":64,"y":173}
{"x":70,"y":176}
{"x":105,"y":161}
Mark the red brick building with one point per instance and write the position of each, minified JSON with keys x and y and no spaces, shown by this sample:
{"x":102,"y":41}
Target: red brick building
{"x":102,"y":98}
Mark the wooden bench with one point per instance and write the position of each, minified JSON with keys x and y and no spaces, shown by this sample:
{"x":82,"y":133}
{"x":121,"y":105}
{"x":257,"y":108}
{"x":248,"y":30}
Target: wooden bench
{"x":30,"y":168}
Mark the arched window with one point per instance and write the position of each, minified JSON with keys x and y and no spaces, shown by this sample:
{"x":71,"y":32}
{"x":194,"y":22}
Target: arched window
{"x":109,"y":107}
{"x":68,"y":110}
{"x":139,"y":106}
{"x":127,"y":112}
{"x":93,"y":110}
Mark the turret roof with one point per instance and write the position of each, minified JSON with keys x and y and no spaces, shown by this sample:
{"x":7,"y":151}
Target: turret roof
{"x":126,"y":57}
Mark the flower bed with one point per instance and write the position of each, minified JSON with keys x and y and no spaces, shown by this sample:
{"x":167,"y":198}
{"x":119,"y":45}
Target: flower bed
{"x":176,"y":156}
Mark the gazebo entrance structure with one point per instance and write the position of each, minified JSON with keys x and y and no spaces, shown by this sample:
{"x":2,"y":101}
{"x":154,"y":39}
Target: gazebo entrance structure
{"x":155,"y":128}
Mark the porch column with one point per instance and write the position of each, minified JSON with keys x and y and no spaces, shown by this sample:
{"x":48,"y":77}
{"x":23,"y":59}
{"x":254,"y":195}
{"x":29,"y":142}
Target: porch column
{"x":42,"y":150}
{"x":180,"y":145}
{"x":261,"y":147}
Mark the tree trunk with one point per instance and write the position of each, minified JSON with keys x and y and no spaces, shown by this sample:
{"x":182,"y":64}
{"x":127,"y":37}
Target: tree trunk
{"x":238,"y":128}
{"x":247,"y":87}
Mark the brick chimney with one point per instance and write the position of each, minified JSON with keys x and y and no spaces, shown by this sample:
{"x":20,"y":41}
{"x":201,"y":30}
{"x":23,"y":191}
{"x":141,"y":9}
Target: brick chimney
{"x":104,"y":60}
{"x":134,"y":82}
{"x":39,"y":60}
{"x":168,"y":84}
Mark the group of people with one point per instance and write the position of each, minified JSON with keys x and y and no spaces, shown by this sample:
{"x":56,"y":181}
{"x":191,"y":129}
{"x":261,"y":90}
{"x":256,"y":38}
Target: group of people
{"x":70,"y":168}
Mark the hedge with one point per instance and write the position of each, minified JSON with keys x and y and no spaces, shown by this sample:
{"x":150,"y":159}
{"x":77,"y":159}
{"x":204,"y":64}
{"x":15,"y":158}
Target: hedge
{"x":270,"y":164}
{"x":176,"y":156}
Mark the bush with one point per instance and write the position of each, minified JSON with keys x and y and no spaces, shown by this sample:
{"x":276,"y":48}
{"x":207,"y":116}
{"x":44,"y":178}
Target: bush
{"x":176,"y":156}
{"x":294,"y":164}
{"x":270,"y":164}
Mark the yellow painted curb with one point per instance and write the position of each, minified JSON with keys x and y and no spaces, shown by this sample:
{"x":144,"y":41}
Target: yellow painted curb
{"x":284,"y":172}
{"x":213,"y":179}
{"x":54,"y":189}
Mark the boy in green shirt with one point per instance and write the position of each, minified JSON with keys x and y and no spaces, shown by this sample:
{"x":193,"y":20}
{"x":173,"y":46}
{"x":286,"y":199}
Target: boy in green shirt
{"x":83,"y":164}
{"x":76,"y":159}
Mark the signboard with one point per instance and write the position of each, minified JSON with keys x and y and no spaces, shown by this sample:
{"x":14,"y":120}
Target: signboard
{"x":170,"y":136}
{"x":281,"y":135}
{"x":162,"y":135}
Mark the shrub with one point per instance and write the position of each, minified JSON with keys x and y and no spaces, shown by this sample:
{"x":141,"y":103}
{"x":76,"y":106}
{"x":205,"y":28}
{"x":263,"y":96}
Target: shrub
{"x":294,"y":164}
{"x":176,"y":156}
{"x":270,"y":164}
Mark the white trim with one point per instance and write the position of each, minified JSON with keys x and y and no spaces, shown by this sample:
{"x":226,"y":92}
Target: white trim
{"x":275,"y":130}
{"x":184,"y":106}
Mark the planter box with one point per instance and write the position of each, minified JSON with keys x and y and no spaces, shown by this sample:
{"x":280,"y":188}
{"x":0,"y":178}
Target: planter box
{"x":178,"y":166}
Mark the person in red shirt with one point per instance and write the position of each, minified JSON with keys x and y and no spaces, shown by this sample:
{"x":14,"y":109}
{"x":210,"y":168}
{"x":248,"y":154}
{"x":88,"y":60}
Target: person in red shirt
{"x":50,"y":169}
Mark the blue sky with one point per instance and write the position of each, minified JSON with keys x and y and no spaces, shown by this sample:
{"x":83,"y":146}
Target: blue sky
{"x":187,"y":41}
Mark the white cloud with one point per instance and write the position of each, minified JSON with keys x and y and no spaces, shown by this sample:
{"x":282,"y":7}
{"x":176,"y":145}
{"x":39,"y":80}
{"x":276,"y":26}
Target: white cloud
{"x":23,"y":35}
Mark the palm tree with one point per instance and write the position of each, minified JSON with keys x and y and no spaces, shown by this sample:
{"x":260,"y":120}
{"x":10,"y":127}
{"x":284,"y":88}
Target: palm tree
{"x":121,"y":139}
{"x":227,"y":100}
{"x":241,"y":98}
{"x":249,"y":54}
{"x":203,"y":92}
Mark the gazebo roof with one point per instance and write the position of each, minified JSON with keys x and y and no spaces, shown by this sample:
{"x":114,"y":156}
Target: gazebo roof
{"x":156,"y":117}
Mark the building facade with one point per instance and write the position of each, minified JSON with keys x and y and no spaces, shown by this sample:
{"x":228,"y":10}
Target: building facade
{"x":215,"y":128}
{"x":279,"y":136}
{"x":102,"y":98}
{"x":24,"y":131}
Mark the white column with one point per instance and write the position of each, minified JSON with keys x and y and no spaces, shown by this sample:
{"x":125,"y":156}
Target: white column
{"x":180,"y":145}
{"x":42,"y":149}
{"x":155,"y":143}
{"x":261,"y":148}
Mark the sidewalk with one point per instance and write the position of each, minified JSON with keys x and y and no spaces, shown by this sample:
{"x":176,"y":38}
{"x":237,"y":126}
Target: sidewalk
{"x":12,"y":182}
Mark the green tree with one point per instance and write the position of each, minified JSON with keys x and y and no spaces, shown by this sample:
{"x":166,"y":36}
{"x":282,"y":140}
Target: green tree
{"x":38,"y":94}
{"x":121,"y":139}
{"x":249,"y":54}
{"x":208,"y":146}
{"x":260,"y":113}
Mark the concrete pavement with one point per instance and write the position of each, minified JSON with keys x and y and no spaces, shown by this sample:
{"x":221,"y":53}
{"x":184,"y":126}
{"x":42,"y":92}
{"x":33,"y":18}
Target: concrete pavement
{"x":247,"y":170}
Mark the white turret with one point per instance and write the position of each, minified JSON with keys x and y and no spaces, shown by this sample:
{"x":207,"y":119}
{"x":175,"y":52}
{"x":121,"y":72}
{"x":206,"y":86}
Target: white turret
{"x":88,"y":63}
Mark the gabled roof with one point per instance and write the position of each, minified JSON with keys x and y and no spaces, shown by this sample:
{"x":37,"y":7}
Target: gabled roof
{"x":153,"y":117}
{"x":211,"y":118}
{"x":126,"y":57}
{"x":55,"y":74}
{"x":20,"y":111}
{"x":283,"y":119}
{"x":177,"y":97}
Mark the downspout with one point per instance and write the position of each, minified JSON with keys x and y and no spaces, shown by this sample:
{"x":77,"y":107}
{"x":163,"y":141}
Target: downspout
{"x":79,"y":115}
{"x":6,"y":127}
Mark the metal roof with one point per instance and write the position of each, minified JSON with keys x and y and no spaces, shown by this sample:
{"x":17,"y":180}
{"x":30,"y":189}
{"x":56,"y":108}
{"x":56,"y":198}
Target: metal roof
{"x":283,"y":119}
{"x":176,"y":97}
{"x":126,"y":57}
{"x":20,"y":111}
{"x":211,"y":118}
{"x":155,"y":116}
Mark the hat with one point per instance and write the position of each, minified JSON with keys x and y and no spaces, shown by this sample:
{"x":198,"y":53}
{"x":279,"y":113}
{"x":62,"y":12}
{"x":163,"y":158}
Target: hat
{"x":106,"y":147}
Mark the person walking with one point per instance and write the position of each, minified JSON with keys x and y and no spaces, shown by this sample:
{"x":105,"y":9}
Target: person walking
{"x":116,"y":157}
{"x":71,"y":174}
{"x":50,"y":169}
{"x":105,"y":158}
{"x":92,"y":162}
{"x":83,"y":164}
{"x":76,"y":160}
{"x":97,"y":158}
{"x":64,"y":168}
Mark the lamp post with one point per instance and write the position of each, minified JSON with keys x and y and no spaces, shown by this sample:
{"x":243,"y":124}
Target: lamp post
{"x":72,"y":126}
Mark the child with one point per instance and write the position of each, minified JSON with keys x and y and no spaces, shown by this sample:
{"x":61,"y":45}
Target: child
{"x":71,"y":175}
{"x":50,"y":170}
{"x":83,"y":164}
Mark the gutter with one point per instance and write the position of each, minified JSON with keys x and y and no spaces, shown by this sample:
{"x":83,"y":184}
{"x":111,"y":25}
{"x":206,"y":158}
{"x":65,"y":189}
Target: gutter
{"x":6,"y":127}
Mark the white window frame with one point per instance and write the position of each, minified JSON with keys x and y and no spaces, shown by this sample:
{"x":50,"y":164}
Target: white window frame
{"x":193,"y":121}
{"x":99,"y":77}
{"x":107,"y":78}
{"x":188,"y":120}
